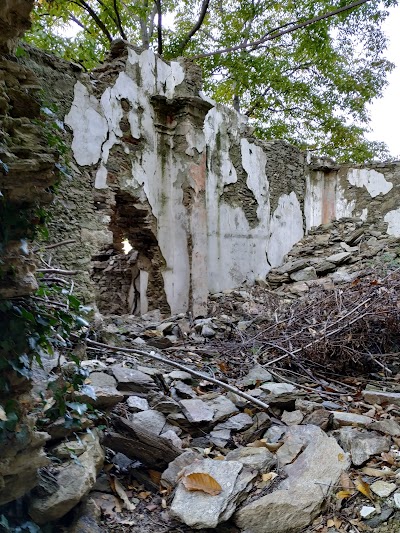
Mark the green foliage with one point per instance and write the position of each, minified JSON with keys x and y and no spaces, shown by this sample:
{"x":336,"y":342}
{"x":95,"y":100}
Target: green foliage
{"x":310,"y":87}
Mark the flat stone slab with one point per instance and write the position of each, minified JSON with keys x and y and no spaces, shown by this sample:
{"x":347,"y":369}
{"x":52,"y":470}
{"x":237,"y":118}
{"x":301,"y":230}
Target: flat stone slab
{"x":351,"y":419}
{"x":197,"y":411}
{"x":132,"y":380}
{"x":381,"y":398}
{"x":259,"y":459}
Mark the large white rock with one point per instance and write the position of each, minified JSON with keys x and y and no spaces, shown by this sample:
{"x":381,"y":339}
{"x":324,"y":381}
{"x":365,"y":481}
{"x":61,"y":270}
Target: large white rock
{"x":300,"y":497}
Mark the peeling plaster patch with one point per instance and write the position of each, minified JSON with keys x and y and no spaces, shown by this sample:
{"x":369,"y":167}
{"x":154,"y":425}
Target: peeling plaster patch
{"x":101,"y":178}
{"x":344,"y":207}
{"x":254,"y":160}
{"x":364,"y":214}
{"x":393,"y":220}
{"x":168,"y":77}
{"x":89,"y":126}
{"x":373,"y":181}
{"x":286,"y":228}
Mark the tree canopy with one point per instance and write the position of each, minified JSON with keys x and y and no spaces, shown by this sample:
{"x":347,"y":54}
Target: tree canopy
{"x":301,"y":70}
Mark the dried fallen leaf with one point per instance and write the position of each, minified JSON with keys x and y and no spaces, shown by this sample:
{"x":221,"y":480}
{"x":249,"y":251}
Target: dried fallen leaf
{"x":363,"y":487}
{"x":388,"y":458}
{"x":375,"y":472}
{"x":3,"y":415}
{"x":120,"y":492}
{"x":345,"y":481}
{"x":269,"y":476}
{"x":143,"y":495}
{"x":219,"y":458}
{"x":272,"y":446}
{"x":223,"y":367}
{"x":203,"y":482}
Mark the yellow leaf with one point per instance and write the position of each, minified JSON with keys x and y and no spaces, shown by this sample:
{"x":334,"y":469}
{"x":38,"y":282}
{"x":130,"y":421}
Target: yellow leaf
{"x":269,"y":476}
{"x":343,"y":494}
{"x":330,"y":523}
{"x":219,"y":458}
{"x":203,"y":482}
{"x":272,"y":446}
{"x":341,"y":457}
{"x":363,"y":487}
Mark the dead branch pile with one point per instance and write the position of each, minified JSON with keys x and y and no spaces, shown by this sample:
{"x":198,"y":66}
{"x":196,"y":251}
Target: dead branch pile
{"x":355,"y":327}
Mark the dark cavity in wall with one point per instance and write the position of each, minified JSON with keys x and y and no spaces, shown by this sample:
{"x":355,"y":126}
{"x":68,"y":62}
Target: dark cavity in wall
{"x":238,"y":194}
{"x":128,"y":275}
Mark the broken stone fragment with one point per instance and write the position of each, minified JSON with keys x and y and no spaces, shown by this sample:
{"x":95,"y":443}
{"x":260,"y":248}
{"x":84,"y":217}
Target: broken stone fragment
{"x":220,"y":437}
{"x":207,"y":332}
{"x":197,"y":411}
{"x":237,"y":422}
{"x":74,"y":481}
{"x":292,"y":266}
{"x":381,"y":398}
{"x":361,"y":444}
{"x":183,"y":390}
{"x":339,"y":258}
{"x":292,"y":418}
{"x":223,"y":408}
{"x":170,"y":476}
{"x":259,"y":459}
{"x":301,"y":496}
{"x":137,"y":404}
{"x":389,"y":427}
{"x":351,"y":419}
{"x":278,"y":389}
{"x":201,"y":510}
{"x":257,"y":374}
{"x":306,"y":274}
{"x":105,"y":389}
{"x":180,"y":375}
{"x":132,"y":380}
{"x":152,"y":421}
{"x":383,"y":489}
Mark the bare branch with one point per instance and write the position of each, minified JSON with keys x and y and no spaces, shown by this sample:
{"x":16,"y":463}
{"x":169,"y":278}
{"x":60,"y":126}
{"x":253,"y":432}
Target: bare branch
{"x":119,"y":23}
{"x":196,"y":27}
{"x":95,"y":17}
{"x":275,"y":33}
{"x":159,"y":28}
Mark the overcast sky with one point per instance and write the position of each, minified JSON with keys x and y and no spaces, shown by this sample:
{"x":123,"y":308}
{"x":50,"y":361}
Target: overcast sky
{"x":385,"y":112}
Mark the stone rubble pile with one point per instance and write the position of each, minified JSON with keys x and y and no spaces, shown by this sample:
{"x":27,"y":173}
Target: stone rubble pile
{"x":277,"y":470}
{"x":334,"y":253}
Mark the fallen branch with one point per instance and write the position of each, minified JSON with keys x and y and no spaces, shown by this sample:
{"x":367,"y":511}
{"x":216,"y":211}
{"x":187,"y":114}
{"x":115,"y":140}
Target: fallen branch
{"x":157,"y":357}
{"x":57,"y":271}
{"x":55,"y":245}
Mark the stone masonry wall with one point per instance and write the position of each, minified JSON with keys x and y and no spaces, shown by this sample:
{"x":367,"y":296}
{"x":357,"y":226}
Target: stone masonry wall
{"x":204,"y":204}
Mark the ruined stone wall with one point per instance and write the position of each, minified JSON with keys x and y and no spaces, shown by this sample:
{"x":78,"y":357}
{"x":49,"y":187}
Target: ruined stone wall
{"x":369,"y":192}
{"x":205,"y":205}
{"x":27,"y":173}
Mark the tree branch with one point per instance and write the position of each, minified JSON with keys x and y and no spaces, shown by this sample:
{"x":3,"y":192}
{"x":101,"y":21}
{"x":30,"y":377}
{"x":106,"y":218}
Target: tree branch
{"x":196,"y":27}
{"x":95,"y":17}
{"x":119,"y":23}
{"x":159,"y":28}
{"x":79,"y":23}
{"x":275,"y":33}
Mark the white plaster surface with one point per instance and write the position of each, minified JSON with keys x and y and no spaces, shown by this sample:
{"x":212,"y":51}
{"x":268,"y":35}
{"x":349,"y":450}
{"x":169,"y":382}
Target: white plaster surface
{"x":393,"y":220}
{"x":373,"y":181}
{"x":88,"y":124}
{"x":286,"y":228}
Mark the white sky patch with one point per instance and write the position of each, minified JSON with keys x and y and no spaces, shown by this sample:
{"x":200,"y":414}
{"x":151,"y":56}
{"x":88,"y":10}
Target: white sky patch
{"x":385,"y":112}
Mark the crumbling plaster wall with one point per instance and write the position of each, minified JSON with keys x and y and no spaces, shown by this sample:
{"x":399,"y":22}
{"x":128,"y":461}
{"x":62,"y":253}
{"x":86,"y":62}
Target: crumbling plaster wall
{"x":210,"y":206}
{"x":226,"y":206}
{"x":370,"y":192}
